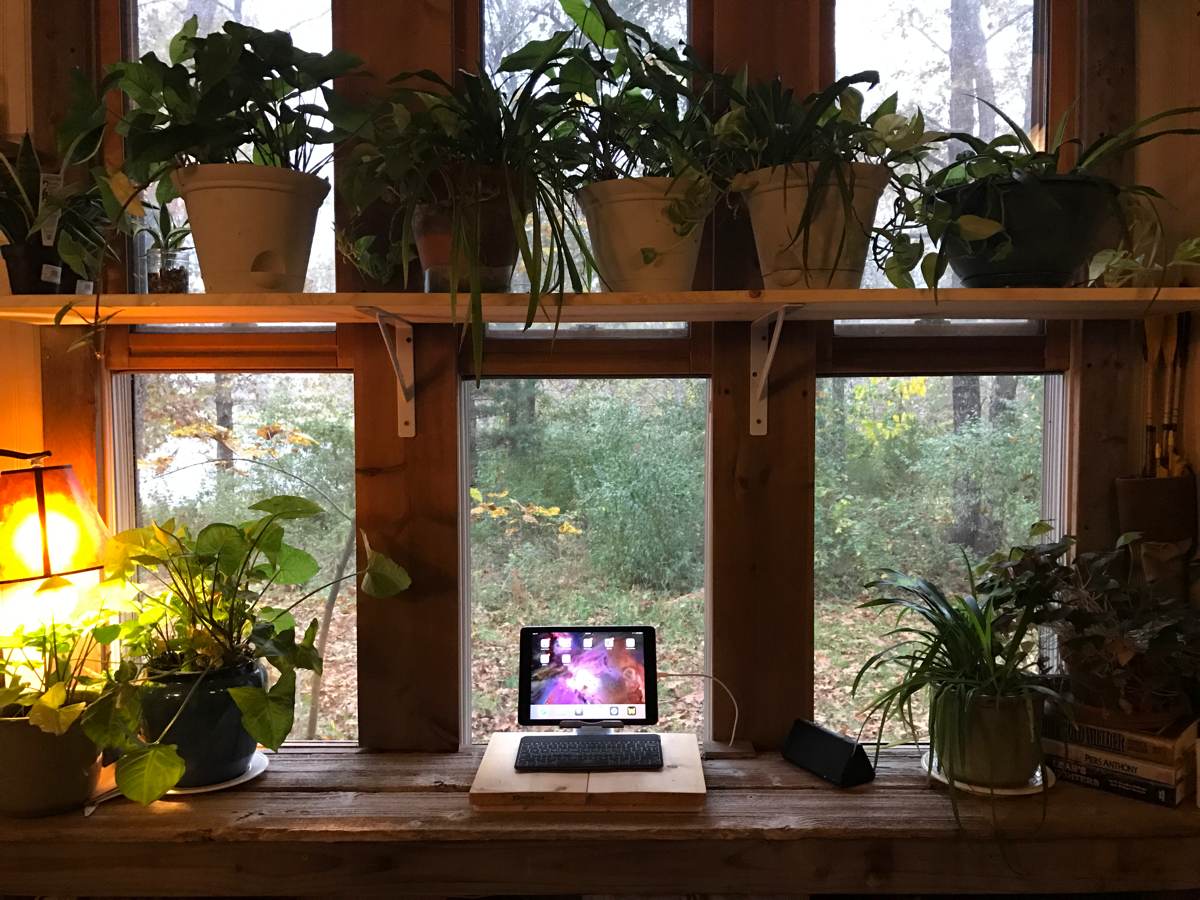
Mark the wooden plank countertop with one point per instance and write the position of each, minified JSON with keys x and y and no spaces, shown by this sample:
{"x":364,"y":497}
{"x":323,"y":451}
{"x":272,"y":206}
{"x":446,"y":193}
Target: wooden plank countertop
{"x":336,"y":820}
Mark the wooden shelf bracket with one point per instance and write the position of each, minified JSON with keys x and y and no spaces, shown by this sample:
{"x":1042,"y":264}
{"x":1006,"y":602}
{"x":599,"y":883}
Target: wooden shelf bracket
{"x":398,"y":338}
{"x":764,"y":341}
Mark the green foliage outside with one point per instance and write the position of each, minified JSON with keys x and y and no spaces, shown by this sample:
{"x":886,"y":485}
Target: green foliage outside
{"x":588,"y":508}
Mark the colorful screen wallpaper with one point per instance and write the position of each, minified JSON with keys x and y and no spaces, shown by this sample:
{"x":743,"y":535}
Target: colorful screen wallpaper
{"x":588,"y":675}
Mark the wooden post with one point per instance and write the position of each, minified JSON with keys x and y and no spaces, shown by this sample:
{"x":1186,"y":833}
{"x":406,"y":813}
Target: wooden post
{"x":408,"y":490}
{"x":761,"y":523}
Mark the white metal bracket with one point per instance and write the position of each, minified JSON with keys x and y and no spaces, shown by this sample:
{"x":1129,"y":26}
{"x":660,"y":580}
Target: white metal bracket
{"x":398,"y":338}
{"x":764,"y":341}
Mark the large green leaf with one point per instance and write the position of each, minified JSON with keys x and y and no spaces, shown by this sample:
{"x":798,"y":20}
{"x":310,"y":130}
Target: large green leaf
{"x":294,"y":566}
{"x":145,"y":774}
{"x":225,"y":543}
{"x":268,"y":714}
{"x":287,"y":507}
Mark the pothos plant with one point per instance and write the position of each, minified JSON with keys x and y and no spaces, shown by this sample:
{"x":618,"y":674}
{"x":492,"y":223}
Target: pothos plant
{"x":53,"y":672}
{"x":205,"y":601}
{"x":926,"y":203}
{"x":458,"y":145}
{"x":767,"y":126}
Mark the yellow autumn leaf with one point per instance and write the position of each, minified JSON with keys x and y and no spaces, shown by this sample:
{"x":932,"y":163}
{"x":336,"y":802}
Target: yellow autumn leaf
{"x":498,"y":512}
{"x":125,"y":192}
{"x":476,"y":495}
{"x":568,"y":528}
{"x":499,"y":496}
{"x":478,"y":510}
{"x":551,"y":511}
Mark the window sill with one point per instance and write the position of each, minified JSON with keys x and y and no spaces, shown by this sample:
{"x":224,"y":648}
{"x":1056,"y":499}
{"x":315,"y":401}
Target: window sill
{"x":337,"y":820}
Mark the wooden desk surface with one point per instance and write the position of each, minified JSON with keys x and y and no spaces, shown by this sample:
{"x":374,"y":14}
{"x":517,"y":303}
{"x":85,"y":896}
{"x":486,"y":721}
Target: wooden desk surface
{"x":327,"y":820}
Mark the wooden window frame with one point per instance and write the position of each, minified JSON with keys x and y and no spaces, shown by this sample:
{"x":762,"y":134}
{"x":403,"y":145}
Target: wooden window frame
{"x":761,"y":561}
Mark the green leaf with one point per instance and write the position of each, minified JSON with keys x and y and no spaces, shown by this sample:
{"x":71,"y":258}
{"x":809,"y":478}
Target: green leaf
{"x":1128,"y":538}
{"x":383,"y":577}
{"x":1037,"y":529}
{"x":54,"y":719}
{"x":179,"y":50}
{"x":106,"y":634}
{"x":281,"y":619}
{"x":113,"y":720}
{"x":268,"y":714}
{"x":145,"y":774}
{"x":55,"y":697}
{"x":977,"y":228}
{"x":294,"y":566}
{"x":225,"y":543}
{"x":649,"y":255}
{"x":287,"y":507}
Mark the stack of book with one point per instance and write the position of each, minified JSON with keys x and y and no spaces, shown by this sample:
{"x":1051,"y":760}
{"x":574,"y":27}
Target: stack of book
{"x":1158,"y":768}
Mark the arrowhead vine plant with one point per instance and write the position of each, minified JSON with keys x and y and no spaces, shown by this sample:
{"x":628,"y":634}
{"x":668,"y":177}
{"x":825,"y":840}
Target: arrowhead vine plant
{"x":205,"y":605}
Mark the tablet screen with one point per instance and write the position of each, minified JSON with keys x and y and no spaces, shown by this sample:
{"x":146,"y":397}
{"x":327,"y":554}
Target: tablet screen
{"x":588,"y":675}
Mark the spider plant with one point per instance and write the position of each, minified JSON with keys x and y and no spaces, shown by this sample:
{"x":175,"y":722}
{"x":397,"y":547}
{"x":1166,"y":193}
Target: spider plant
{"x":972,"y":654}
{"x":476,"y":141}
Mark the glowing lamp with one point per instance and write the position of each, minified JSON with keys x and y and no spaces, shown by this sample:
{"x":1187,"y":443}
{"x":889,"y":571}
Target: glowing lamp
{"x":48,"y":526}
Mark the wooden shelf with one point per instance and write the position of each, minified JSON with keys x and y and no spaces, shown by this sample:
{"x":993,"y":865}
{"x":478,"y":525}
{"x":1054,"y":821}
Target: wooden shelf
{"x":694,"y":306}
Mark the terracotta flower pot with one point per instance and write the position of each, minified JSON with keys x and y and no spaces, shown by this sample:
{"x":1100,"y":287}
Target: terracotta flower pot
{"x":627,"y":217}
{"x":1001,"y":743}
{"x":836,"y":243}
{"x":41,"y":773}
{"x":482,"y":199}
{"x":1056,"y":225}
{"x":252,"y":226}
{"x":208,"y":733}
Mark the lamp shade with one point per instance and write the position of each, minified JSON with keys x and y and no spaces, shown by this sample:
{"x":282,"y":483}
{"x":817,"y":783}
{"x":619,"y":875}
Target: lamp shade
{"x":48,"y":525}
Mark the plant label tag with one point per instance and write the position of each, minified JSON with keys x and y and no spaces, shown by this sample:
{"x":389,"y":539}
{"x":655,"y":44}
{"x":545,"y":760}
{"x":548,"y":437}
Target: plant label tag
{"x":84,"y":287}
{"x":50,"y":227}
{"x":51,"y":274}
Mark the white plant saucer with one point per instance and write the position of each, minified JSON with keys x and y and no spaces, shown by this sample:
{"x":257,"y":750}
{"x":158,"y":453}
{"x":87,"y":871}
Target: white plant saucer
{"x":258,"y":765}
{"x":1035,"y":785}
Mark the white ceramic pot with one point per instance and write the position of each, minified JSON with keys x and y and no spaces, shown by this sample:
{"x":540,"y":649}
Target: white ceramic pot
{"x":627,"y":216}
{"x":836,"y":247}
{"x":252,"y":225}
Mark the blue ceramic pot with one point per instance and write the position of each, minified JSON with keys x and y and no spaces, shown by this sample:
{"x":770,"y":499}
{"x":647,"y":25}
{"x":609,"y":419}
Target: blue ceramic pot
{"x":208,"y":733}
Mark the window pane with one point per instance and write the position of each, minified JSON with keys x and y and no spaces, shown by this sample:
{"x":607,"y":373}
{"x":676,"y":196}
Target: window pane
{"x":310,"y":24}
{"x":910,"y":469}
{"x":940,"y":55}
{"x":194,"y":436}
{"x":587,"y":508}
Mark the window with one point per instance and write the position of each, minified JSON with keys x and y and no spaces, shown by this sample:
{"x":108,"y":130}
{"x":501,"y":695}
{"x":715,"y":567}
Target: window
{"x":209,"y":445}
{"x":310,"y":24}
{"x":586,"y":507}
{"x":910,"y":469}
{"x":946,"y":57}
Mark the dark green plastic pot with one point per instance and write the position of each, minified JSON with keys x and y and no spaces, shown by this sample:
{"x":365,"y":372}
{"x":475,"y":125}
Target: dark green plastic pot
{"x":41,"y":773}
{"x":208,"y":733}
{"x":1000,"y":747}
{"x":1056,"y":224}
{"x":26,"y":262}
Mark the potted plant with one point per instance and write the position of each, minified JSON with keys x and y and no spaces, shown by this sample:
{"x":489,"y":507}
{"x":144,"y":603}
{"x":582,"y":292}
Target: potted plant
{"x":643,"y":182}
{"x":1128,"y":647}
{"x":167,"y":259}
{"x":1004,"y":213}
{"x":811,"y":172}
{"x":52,"y":231}
{"x":974,"y":655}
{"x":239,"y":121}
{"x":457,"y":173}
{"x":51,"y":673}
{"x":204,"y":631}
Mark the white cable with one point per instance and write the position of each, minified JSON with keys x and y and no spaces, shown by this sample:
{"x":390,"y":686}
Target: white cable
{"x":724,"y":687}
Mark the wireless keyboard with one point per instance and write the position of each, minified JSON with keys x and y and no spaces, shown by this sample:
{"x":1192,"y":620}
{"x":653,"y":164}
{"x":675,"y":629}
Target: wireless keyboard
{"x":593,"y":753}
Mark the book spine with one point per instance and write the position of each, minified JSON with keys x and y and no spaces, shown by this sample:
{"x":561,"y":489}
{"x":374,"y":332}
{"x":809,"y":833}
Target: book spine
{"x":1165,"y":751}
{"x":1117,"y":764}
{"x":1121,"y":785}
